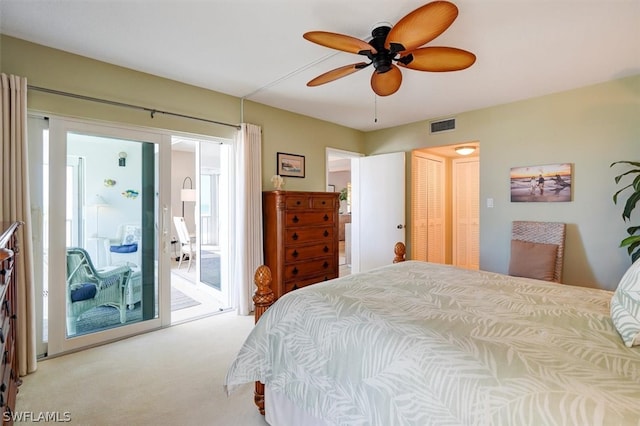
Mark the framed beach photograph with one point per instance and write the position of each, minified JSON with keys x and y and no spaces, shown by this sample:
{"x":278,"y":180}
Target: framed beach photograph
{"x":291,"y":165}
{"x":547,"y":183}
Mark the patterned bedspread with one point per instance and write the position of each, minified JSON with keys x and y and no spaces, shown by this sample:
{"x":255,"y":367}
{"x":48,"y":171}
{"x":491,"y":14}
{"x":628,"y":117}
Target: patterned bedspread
{"x":417,"y":344}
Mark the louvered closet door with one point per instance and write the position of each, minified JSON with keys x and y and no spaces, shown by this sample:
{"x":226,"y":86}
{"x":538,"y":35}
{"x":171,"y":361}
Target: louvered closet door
{"x":428,"y":208}
{"x":466,"y":213}
{"x":419,"y":208}
{"x":435,"y":210}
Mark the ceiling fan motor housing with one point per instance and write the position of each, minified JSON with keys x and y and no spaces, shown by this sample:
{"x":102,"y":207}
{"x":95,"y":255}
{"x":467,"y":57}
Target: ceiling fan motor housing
{"x":383,"y":58}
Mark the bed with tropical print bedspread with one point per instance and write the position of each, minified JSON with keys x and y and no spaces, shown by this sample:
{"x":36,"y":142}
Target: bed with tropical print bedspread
{"x":416,"y":343}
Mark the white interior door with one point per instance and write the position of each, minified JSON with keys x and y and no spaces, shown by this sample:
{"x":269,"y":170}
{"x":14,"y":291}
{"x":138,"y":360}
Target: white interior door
{"x":378,"y":209}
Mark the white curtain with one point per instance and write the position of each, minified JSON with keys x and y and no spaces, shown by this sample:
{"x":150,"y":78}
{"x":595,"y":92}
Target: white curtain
{"x":248,"y":239}
{"x":15,"y":206}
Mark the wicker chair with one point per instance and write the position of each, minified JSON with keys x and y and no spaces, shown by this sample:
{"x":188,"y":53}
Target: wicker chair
{"x":541,"y":233}
{"x":88,"y":288}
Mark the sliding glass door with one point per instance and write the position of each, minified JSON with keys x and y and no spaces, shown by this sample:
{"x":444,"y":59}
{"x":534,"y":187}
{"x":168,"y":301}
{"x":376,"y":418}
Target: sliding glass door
{"x":205,"y":168}
{"x":215,"y":199}
{"x":108,"y":262}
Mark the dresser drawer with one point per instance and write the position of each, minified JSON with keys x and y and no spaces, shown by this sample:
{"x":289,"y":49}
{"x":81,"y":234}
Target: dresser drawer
{"x":5,"y":386}
{"x":297,"y":202}
{"x":297,"y":253}
{"x":309,"y":235}
{"x":303,"y":202}
{"x":309,"y":218}
{"x":320,"y":202}
{"x":296,"y":284}
{"x":310,"y":268}
{"x":5,"y":331}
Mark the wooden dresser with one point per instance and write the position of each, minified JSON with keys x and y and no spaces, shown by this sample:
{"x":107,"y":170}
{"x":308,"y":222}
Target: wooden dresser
{"x":9,"y":370}
{"x":300,"y":238}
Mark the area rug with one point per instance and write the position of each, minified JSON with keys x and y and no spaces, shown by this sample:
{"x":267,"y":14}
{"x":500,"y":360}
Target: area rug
{"x":210,"y":269}
{"x":179,"y":300}
{"x":105,"y":317}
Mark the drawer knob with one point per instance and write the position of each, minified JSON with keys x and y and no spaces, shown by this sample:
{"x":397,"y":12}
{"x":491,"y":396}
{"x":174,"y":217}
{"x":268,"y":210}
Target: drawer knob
{"x":326,"y":249}
{"x":325,"y":264}
{"x":326,"y":217}
{"x":295,"y":236}
{"x":298,"y":202}
{"x":326,"y":233}
{"x":324,"y":202}
{"x":295,"y":219}
{"x":295,"y":287}
{"x":295,"y":253}
{"x":295,"y":271}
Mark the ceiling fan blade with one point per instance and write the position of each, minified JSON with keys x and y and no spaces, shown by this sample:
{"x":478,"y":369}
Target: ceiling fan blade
{"x":422,"y":25}
{"x":388,"y":83}
{"x":339,"y":41}
{"x":336,"y":74}
{"x":439,"y":59}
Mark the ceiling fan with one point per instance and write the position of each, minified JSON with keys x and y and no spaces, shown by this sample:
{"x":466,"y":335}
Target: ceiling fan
{"x":400,"y":44}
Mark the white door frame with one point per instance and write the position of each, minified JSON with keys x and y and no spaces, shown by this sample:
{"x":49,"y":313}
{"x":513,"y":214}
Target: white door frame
{"x":331,"y":153}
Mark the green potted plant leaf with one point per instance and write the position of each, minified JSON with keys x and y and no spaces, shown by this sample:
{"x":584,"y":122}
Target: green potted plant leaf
{"x":632,"y":242}
{"x":343,"y":194}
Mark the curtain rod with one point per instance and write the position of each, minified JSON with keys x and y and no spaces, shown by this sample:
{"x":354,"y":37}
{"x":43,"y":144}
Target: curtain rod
{"x":152,"y":111}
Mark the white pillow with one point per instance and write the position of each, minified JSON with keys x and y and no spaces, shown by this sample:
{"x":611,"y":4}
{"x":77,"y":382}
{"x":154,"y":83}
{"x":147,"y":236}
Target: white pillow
{"x":625,"y":306}
{"x":130,"y":234}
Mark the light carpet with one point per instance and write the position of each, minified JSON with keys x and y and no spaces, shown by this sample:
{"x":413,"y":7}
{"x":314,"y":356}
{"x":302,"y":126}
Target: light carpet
{"x":172,"y":376}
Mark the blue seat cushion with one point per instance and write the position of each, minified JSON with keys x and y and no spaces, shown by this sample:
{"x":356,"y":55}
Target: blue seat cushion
{"x":124,"y":248}
{"x":85,"y":291}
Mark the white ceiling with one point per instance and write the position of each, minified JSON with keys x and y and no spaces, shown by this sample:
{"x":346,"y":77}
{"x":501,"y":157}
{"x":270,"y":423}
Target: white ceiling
{"x":254,"y":49}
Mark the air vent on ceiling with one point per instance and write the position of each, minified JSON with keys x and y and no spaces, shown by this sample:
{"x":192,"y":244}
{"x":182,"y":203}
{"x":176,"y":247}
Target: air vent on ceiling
{"x":443,"y":125}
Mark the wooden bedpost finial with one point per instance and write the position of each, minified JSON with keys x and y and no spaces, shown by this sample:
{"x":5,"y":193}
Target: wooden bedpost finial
{"x":400,"y":251}
{"x":263,"y":297}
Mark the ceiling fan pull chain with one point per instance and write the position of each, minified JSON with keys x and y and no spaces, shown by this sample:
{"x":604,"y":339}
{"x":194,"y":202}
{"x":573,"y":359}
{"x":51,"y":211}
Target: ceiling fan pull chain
{"x":375,"y":108}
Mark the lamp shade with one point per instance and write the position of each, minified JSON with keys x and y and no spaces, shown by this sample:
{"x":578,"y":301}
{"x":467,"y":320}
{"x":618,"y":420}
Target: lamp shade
{"x":187,"y":195}
{"x":98,"y":201}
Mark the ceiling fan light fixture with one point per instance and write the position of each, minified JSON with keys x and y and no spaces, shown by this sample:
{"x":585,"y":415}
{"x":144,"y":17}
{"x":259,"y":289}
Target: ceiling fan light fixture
{"x":465,"y":150}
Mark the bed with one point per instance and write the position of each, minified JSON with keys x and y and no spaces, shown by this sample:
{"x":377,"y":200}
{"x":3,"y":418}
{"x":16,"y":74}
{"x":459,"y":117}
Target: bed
{"x":415,"y":343}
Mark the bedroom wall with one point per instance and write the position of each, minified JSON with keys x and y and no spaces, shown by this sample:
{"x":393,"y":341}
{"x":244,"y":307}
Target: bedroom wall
{"x":590,"y":127}
{"x":282,"y":131}
{"x":297,"y":134}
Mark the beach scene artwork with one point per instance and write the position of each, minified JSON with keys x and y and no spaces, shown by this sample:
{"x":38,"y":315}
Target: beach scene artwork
{"x":547,"y":183}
